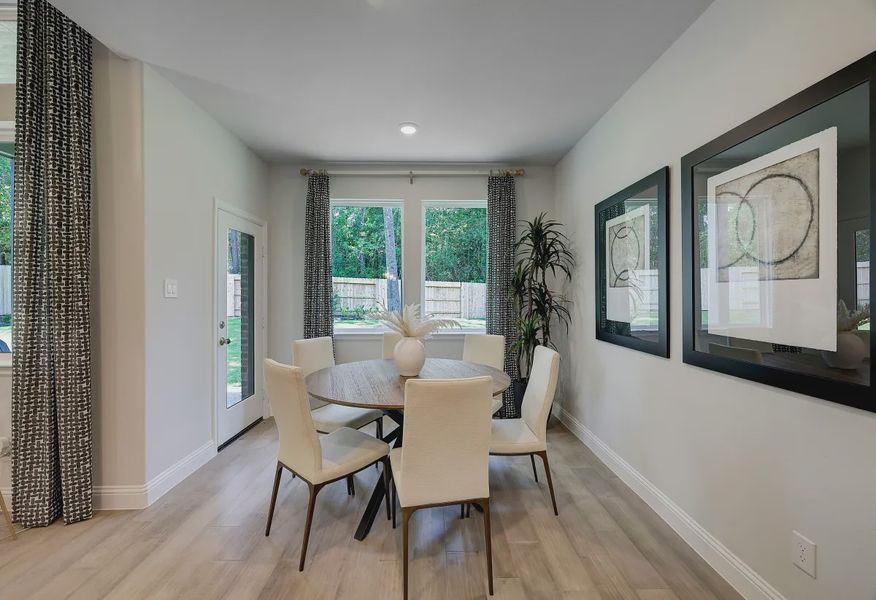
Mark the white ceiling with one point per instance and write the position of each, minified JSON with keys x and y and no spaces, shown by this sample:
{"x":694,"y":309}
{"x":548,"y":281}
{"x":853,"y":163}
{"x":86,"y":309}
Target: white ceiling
{"x":330,"y":80}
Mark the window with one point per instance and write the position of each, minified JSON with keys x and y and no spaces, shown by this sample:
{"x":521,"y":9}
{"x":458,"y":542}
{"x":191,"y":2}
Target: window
{"x":7,"y":179}
{"x":366,"y":261}
{"x":7,"y":176}
{"x":455,"y":262}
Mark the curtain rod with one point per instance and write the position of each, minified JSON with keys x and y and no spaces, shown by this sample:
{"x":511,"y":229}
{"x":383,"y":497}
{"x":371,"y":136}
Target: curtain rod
{"x":519,"y":172}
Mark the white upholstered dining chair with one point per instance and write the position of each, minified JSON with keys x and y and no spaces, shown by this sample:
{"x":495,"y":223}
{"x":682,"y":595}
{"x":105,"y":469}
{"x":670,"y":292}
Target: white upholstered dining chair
{"x":318,"y":353}
{"x":528,"y":434}
{"x":486,"y":349}
{"x":390,"y":339}
{"x":317,"y":459}
{"x":444,"y":457}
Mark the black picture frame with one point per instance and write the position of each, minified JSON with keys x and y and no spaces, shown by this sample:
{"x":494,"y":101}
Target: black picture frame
{"x":861,"y":72}
{"x":607,"y":330}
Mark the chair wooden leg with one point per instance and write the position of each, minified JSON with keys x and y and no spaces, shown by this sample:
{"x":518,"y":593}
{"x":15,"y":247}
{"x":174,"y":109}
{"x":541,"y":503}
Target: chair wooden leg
{"x":277,"y":476}
{"x":7,"y":517}
{"x":547,"y":470}
{"x":351,"y":486}
{"x":406,"y":518}
{"x":468,"y":509}
{"x":385,"y":462}
{"x":489,"y":542}
{"x":462,"y":511}
{"x":534,"y":472}
{"x":378,"y":425}
{"x":392,"y":502}
{"x":311,"y":503}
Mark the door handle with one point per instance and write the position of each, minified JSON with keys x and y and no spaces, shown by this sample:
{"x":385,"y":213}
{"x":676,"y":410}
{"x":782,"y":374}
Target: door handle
{"x":224,"y":340}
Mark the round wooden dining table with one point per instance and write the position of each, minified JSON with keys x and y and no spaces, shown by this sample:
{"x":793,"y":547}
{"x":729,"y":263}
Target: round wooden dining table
{"x":377,"y":384}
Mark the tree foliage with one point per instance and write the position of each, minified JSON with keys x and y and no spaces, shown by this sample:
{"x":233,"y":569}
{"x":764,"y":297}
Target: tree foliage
{"x":6,"y":171}
{"x":456,"y":244}
{"x":862,"y":245}
{"x":358,"y":242}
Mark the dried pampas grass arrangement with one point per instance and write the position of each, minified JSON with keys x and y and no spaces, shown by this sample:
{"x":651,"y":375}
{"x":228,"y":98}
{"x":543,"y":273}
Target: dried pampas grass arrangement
{"x":409,"y":324}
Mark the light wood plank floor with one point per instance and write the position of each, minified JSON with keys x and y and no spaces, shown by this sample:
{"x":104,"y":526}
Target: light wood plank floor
{"x":205,"y":539}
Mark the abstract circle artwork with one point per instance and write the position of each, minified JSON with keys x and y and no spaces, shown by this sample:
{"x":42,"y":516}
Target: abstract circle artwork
{"x":626,"y":250}
{"x":767,"y":222}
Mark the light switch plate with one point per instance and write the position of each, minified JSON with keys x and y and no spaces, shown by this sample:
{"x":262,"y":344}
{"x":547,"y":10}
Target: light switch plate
{"x":803,"y":553}
{"x":171,"y":288}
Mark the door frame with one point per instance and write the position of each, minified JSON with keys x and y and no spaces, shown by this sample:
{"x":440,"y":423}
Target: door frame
{"x":261,"y":310}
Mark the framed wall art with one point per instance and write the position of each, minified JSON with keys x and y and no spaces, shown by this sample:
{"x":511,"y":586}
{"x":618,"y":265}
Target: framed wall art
{"x":631,"y":271}
{"x":777,"y":215}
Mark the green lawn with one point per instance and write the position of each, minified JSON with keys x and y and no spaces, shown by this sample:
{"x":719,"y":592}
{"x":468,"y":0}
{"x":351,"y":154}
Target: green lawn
{"x":233,"y":351}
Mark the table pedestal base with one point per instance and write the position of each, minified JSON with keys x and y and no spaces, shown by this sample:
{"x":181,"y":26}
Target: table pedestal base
{"x":377,"y":496}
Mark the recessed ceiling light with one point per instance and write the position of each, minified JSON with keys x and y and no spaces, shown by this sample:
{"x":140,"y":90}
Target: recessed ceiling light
{"x":408,"y":128}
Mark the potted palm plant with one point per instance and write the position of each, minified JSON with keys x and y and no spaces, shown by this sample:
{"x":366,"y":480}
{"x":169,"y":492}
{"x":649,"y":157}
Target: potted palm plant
{"x":542,"y":261}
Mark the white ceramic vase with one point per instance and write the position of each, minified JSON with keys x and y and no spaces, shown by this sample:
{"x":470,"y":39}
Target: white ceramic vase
{"x":850,"y":351}
{"x":410,"y":356}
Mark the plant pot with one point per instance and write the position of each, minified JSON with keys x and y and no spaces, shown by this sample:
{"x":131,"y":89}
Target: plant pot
{"x":409,"y":356}
{"x":850,"y":352}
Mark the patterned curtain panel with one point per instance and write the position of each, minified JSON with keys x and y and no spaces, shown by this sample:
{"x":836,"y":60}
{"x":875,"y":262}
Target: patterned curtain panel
{"x":318,"y":259}
{"x":502,"y":227}
{"x":51,"y":370}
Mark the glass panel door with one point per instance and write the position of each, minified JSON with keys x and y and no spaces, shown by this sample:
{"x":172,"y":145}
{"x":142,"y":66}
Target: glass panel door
{"x":240,"y":303}
{"x":240,"y":322}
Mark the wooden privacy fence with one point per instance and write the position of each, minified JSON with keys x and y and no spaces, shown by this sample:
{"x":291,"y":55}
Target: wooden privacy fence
{"x":232,"y":295}
{"x":456,"y":300}
{"x":357,"y":292}
{"x":448,"y":299}
{"x":863,"y":283}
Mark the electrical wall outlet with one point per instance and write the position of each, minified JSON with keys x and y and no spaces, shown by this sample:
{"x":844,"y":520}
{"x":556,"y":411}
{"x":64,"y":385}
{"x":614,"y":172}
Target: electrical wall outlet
{"x":803,"y":554}
{"x":171,"y":288}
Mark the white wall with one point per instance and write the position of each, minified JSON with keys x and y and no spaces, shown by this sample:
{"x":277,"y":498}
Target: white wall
{"x":748,"y":462}
{"x":118,"y":343}
{"x":287,"y":192}
{"x":189,"y":159}
{"x":118,"y":260}
{"x":160,"y":161}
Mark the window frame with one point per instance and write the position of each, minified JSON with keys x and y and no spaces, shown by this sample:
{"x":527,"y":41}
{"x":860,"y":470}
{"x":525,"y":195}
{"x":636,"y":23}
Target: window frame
{"x":424,"y":205}
{"x":7,"y":134}
{"x":362,"y":332}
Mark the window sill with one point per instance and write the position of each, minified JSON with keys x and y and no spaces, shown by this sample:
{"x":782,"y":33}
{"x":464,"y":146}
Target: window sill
{"x":5,"y":363}
{"x":367,"y":335}
{"x":358,"y":334}
{"x":457,"y":333}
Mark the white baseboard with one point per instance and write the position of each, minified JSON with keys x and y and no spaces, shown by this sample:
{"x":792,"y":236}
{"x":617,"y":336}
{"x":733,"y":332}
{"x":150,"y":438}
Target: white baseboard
{"x":742,"y":577}
{"x":134,"y":497}
{"x":170,"y":477}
